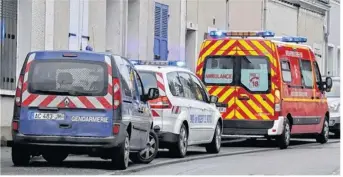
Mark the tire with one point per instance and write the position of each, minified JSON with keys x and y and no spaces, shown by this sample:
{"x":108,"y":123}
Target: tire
{"x":55,"y":158}
{"x":149,"y":153}
{"x":20,"y":155}
{"x":214,"y":146}
{"x":120,"y":157}
{"x":337,"y":134}
{"x":179,"y":149}
{"x":323,"y":137}
{"x":284,"y":139}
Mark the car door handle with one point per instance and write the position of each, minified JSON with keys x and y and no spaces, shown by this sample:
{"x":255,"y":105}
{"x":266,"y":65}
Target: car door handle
{"x":317,"y":97}
{"x":243,"y":98}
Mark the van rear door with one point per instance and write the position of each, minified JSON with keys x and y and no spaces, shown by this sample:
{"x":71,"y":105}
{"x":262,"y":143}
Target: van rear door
{"x":67,"y":96}
{"x":257,"y":76}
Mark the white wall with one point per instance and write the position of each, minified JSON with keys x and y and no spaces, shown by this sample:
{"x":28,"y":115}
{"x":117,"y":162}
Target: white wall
{"x":245,"y":14}
{"x":282,"y":18}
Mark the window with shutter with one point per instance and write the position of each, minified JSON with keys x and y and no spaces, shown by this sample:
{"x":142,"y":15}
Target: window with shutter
{"x":161,"y":32}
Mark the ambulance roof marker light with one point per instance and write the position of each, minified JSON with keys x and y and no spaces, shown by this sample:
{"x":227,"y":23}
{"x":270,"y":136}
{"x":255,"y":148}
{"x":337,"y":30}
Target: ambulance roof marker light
{"x":295,"y":39}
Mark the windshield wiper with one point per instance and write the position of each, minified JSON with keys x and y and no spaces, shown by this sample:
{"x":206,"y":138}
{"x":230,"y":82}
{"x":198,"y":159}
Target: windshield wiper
{"x":52,"y":92}
{"x":78,"y":93}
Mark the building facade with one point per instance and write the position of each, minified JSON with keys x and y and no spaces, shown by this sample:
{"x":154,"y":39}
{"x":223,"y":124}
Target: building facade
{"x":334,"y":49}
{"x":139,"y":29}
{"x":292,"y":17}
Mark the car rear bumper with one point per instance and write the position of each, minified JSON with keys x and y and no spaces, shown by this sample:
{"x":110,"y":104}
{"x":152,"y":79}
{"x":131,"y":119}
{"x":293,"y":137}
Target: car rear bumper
{"x":65,"y":141}
{"x":335,"y":122}
{"x":71,"y":141}
{"x":249,"y":127}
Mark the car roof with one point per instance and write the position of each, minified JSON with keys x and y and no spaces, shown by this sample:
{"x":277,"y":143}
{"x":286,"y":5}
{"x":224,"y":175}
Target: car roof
{"x":83,"y":55}
{"x":161,"y":69}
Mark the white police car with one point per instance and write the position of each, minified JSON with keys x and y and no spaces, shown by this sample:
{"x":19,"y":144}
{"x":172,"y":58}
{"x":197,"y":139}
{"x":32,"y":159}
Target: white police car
{"x":184,"y":114}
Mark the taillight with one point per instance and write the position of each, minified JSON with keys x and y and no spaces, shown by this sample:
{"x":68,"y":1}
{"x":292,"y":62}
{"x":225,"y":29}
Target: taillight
{"x":116,"y":93}
{"x":277,"y":101}
{"x":15,"y":126}
{"x":160,"y":103}
{"x":18,"y":92}
{"x":116,"y":128}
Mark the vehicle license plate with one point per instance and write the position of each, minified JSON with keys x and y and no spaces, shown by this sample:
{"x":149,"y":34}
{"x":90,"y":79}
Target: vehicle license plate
{"x":222,"y":109}
{"x":48,"y":116}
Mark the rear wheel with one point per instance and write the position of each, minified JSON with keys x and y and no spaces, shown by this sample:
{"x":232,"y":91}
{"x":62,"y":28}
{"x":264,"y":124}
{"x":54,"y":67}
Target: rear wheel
{"x":214,"y":146}
{"x":337,"y":134}
{"x":149,"y":153}
{"x":283,"y":140}
{"x":120,"y":157}
{"x":180,"y":148}
{"x":323,"y":137}
{"x":55,"y":158}
{"x":20,"y":155}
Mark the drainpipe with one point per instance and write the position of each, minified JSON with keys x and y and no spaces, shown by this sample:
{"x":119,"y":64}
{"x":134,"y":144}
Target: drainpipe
{"x":298,"y":16}
{"x":264,"y":21}
{"x":227,"y":15}
{"x":326,"y":40}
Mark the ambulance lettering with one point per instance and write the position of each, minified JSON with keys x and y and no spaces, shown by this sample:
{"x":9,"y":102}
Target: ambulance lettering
{"x":294,"y":54}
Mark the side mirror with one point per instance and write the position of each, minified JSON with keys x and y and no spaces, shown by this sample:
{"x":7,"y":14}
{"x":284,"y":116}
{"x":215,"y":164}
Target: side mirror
{"x":153,"y":93}
{"x":328,"y":84}
{"x":213,"y":99}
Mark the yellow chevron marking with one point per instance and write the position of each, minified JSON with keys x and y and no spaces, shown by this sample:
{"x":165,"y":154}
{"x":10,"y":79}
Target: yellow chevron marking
{"x":257,"y":109}
{"x":226,"y":94}
{"x":264,"y":104}
{"x":245,"y":109}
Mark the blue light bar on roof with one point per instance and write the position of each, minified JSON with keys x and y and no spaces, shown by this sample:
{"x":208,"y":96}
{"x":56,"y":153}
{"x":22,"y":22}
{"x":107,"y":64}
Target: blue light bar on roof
{"x":159,"y":63}
{"x":294,"y":39}
{"x":222,"y":34}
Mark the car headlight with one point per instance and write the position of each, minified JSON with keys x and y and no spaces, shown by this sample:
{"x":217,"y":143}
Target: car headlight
{"x":334,"y":107}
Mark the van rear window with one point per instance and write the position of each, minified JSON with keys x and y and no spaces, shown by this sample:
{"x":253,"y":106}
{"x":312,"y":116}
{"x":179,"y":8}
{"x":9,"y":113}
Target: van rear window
{"x":251,"y":72}
{"x":68,"y":77}
{"x":219,"y":70}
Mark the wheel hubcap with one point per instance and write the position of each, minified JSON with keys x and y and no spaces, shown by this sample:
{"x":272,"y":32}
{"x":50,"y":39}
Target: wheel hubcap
{"x":287,"y":134}
{"x":183,"y":140}
{"x":126,"y":151}
{"x":150,"y":149}
{"x":218,"y":137}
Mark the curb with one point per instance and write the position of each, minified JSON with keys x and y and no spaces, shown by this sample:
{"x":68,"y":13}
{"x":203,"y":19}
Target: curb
{"x":175,"y":161}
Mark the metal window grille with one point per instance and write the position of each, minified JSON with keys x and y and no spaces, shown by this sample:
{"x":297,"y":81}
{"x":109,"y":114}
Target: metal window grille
{"x":8,"y":43}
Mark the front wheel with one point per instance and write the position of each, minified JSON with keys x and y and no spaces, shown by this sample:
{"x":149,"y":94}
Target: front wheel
{"x":323,"y":137}
{"x":149,"y":153}
{"x":214,"y":146}
{"x":283,"y":140}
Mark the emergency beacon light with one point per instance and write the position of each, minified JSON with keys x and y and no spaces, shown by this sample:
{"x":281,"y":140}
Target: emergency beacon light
{"x":295,"y":39}
{"x":222,"y":34}
{"x":159,"y":63}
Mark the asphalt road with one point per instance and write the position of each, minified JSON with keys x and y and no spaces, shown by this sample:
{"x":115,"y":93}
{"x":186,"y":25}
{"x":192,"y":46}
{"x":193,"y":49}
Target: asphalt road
{"x":84,"y":165}
{"x":304,"y":160}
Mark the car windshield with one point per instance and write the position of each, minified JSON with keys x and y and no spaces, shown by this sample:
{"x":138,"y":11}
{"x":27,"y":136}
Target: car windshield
{"x":68,"y":77}
{"x":335,"y":90}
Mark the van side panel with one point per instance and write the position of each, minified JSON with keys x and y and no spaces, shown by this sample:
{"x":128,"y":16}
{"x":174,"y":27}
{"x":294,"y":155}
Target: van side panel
{"x":298,"y":100}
